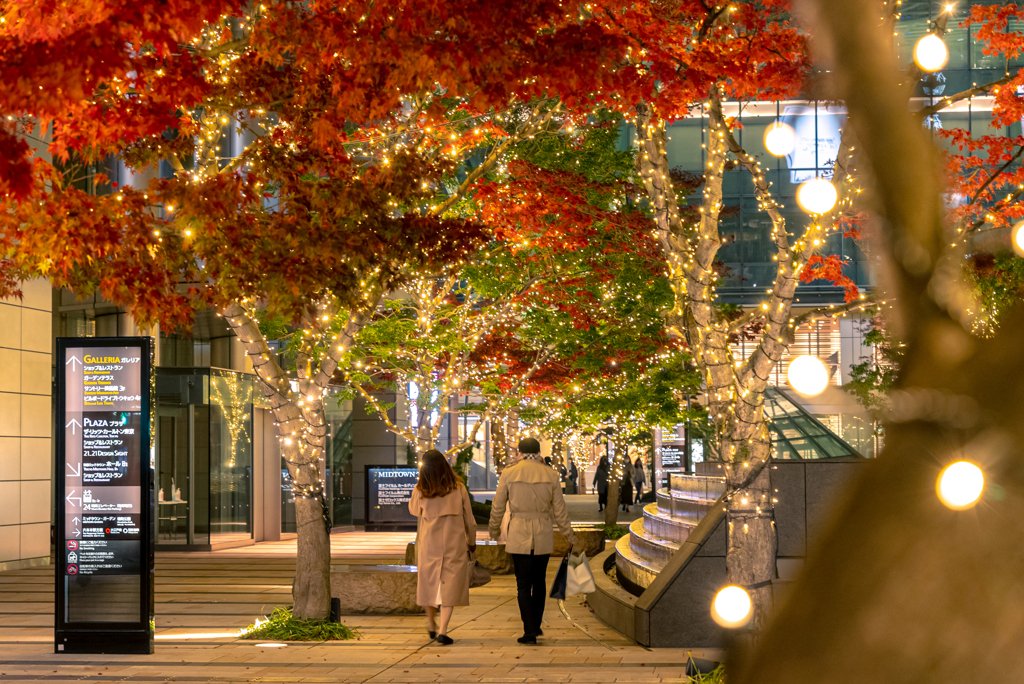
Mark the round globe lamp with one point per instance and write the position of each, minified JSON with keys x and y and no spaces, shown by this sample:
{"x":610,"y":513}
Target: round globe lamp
{"x":779,"y":139}
{"x":960,"y":485}
{"x":817,"y":196}
{"x":931,"y":53}
{"x":732,"y":607}
{"x":807,"y":375}
{"x":1017,"y":238}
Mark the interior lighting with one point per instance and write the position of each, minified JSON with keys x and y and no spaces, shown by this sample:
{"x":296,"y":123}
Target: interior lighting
{"x":931,"y":53}
{"x":779,"y":139}
{"x":732,"y":607}
{"x":1017,"y":238}
{"x":960,"y":485}
{"x":807,"y":375}
{"x":817,"y":196}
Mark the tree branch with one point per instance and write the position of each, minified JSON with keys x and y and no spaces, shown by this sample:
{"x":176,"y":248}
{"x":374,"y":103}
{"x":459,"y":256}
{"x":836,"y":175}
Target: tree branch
{"x":945,"y":102}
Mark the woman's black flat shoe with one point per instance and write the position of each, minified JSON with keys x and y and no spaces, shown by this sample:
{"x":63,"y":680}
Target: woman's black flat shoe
{"x":445,"y":640}
{"x":433,"y":635}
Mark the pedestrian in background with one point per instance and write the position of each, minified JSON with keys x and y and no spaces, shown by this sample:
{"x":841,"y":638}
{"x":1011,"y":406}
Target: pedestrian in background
{"x":445,"y":536}
{"x":639,"y":478}
{"x":626,"y":483}
{"x":533,"y":494}
{"x":574,"y":477}
{"x":601,"y":483}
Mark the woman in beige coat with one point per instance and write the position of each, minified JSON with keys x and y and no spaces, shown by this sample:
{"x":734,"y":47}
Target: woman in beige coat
{"x":446,"y":535}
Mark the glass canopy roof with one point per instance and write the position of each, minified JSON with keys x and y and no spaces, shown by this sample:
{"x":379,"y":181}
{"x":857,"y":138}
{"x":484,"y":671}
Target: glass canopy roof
{"x":798,"y":434}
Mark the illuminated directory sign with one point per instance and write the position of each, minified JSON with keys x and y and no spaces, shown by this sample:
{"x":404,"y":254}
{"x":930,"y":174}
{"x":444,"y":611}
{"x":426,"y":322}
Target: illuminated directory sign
{"x":104,"y":505}
{"x":388,"y":492}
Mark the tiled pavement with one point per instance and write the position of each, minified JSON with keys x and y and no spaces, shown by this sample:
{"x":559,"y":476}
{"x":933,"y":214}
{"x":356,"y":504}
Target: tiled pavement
{"x":203,"y":599}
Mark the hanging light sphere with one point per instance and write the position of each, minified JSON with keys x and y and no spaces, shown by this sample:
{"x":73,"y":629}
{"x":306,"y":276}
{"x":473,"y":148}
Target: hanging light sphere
{"x":817,"y":196}
{"x":732,"y":606}
{"x":1017,"y":238}
{"x":807,"y":375}
{"x":779,"y":139}
{"x":931,"y":53}
{"x":960,"y":485}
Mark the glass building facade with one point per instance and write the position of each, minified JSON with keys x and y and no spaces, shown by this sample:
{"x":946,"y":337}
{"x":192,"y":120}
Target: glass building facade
{"x":747,"y":249}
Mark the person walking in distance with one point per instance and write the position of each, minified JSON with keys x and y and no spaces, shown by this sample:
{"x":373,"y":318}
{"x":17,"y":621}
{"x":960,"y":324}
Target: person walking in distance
{"x":601,"y":483}
{"x":533,"y":495}
{"x":446,"y":534}
{"x":626,"y":483}
{"x":639,"y":478}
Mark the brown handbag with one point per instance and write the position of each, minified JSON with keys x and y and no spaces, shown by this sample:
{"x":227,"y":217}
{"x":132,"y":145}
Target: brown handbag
{"x":478,"y":574}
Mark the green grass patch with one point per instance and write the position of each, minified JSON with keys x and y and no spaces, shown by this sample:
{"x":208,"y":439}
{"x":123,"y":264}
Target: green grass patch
{"x":281,"y":625}
{"x":614,"y":532}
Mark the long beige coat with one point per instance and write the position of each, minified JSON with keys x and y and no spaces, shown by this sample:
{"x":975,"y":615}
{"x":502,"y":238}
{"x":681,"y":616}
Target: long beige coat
{"x":446,"y":526}
{"x":533,"y":493}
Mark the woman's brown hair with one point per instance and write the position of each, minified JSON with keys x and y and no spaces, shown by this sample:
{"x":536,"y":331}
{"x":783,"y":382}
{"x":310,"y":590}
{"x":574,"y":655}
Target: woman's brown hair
{"x":436,"y":475}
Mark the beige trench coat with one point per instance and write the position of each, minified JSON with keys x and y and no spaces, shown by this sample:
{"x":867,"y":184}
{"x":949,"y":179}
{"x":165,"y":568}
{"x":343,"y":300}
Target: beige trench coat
{"x":532,"y":492}
{"x":446,"y":529}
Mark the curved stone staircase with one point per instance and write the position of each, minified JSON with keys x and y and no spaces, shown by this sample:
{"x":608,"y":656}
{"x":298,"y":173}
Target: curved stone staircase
{"x":666,"y":524}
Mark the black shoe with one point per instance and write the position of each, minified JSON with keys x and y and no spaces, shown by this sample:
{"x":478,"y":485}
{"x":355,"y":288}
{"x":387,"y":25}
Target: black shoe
{"x":433,"y":635}
{"x":540,"y":632}
{"x":527,"y":639}
{"x":445,"y":640}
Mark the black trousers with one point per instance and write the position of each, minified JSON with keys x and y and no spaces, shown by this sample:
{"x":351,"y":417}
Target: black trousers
{"x":531,"y":586}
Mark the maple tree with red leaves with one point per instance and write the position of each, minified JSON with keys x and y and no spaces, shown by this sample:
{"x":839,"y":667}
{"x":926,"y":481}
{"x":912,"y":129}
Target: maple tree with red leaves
{"x":317,"y":154}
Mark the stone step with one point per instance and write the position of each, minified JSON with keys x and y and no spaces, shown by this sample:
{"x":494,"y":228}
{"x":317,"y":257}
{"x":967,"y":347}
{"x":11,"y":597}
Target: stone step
{"x":632,"y":567}
{"x":658,"y":524}
{"x":696,"y":487}
{"x":648,"y":547}
{"x":681,"y":509}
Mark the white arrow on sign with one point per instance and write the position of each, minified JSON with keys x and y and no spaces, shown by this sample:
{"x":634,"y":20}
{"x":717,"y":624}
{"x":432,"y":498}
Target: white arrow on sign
{"x":75,"y":520}
{"x":76,"y":473}
{"x":78,"y":533}
{"x":73,"y":424}
{"x":71,"y":499}
{"x":72,"y":361}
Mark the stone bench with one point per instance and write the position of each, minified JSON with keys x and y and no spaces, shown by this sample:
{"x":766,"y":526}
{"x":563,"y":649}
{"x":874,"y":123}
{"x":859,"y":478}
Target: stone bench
{"x":375,"y":589}
{"x":492,"y":556}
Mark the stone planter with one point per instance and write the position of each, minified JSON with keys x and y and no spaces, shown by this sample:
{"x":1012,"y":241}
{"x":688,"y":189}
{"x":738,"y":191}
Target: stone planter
{"x":492,"y":555}
{"x":375,"y":589}
{"x":590,"y":538}
{"x":489,"y":554}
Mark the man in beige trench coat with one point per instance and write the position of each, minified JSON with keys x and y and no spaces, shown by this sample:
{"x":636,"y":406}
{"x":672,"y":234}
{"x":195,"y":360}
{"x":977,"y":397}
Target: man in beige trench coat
{"x":533,"y":495}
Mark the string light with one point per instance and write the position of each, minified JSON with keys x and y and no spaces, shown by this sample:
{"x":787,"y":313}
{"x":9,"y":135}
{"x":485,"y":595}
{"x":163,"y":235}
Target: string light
{"x":960,"y":485}
{"x":931,"y":53}
{"x":779,"y":139}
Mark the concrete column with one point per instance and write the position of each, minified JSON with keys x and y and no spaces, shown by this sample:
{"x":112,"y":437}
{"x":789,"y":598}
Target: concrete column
{"x":26,"y":455}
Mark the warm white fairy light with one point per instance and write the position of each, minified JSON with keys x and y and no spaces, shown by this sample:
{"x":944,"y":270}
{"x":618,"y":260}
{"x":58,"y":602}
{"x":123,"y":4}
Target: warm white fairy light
{"x":931,"y":53}
{"x":780,"y":139}
{"x":960,"y":485}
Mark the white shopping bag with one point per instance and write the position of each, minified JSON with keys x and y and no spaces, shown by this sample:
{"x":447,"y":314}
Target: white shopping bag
{"x":505,"y":520}
{"x":579,"y":579}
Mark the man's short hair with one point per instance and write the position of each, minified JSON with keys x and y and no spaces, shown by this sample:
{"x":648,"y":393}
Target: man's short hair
{"x":529,"y":446}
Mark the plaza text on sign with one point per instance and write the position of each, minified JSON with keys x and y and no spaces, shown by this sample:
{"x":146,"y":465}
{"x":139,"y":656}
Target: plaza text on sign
{"x":104,"y":601}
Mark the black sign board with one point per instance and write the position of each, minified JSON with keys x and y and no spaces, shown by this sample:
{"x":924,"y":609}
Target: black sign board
{"x":104,"y":601}
{"x":388,"y":491}
{"x":672,"y":455}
